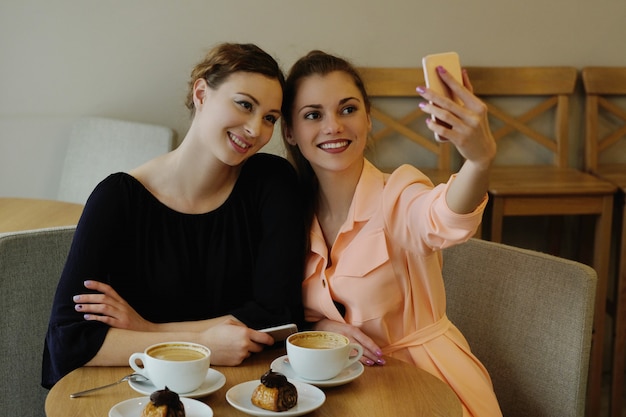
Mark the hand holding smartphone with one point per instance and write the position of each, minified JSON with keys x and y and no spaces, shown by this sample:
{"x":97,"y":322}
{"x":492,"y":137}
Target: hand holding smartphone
{"x":450,"y":61}
{"x":280,"y":333}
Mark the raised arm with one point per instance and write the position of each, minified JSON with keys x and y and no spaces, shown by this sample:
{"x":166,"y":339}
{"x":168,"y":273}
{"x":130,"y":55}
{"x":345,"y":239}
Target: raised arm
{"x":469,"y":132}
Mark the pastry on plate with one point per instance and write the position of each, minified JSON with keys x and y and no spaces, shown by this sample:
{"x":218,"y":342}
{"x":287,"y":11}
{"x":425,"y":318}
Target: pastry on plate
{"x":275,"y":393}
{"x":164,"y":403}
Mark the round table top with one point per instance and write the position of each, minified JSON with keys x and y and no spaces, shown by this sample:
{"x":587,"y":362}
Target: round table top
{"x":395,"y":389}
{"x":18,"y":214}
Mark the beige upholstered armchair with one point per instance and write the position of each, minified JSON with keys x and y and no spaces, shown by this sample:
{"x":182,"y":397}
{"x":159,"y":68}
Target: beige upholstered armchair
{"x":528,"y":317}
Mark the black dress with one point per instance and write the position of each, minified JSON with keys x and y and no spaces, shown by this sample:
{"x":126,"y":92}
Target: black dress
{"x":244,"y":258}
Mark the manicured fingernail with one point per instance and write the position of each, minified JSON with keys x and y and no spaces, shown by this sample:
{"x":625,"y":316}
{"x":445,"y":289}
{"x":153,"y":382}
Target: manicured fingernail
{"x":78,"y":307}
{"x":380,"y":361}
{"x":369,"y":362}
{"x":441,"y":69}
{"x":422,"y":105}
{"x":86,"y":283}
{"x":420,"y":90}
{"x":76,"y":298}
{"x":379,"y":353}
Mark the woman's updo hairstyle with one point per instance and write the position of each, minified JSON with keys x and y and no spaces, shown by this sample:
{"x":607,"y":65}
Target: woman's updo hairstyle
{"x":226,"y":59}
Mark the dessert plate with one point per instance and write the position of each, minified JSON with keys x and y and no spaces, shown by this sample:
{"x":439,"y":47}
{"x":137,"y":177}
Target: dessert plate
{"x":214,"y":380}
{"x":349,"y":374}
{"x":134,"y":406}
{"x":309,"y":398}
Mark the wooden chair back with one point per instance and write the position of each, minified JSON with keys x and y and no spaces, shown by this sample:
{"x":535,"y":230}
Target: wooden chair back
{"x":400,"y":83}
{"x":602,"y":85}
{"x":552,"y":85}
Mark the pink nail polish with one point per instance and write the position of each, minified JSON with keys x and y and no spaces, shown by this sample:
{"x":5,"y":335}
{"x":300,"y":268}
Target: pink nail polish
{"x":421,"y":90}
{"x":441,"y":69}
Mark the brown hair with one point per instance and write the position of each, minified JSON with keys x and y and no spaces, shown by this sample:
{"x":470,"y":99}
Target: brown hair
{"x":314,"y":63}
{"x":227,"y":58}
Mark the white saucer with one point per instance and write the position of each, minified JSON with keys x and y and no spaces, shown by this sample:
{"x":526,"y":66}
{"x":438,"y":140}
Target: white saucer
{"x":214,"y":380}
{"x":309,"y":398}
{"x":349,"y":374}
{"x":134,"y":406}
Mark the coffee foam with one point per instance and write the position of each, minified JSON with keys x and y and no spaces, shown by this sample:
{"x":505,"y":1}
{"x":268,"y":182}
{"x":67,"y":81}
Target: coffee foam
{"x":318,"y":340}
{"x":177,"y":352}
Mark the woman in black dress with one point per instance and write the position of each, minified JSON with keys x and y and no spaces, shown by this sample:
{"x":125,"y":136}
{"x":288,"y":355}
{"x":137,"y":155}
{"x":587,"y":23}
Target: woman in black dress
{"x":202,"y":244}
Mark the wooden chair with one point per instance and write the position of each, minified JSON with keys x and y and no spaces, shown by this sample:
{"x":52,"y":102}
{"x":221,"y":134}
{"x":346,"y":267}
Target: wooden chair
{"x":548,"y":186}
{"x":394,"y":86}
{"x":528,"y":317}
{"x":605,"y":130}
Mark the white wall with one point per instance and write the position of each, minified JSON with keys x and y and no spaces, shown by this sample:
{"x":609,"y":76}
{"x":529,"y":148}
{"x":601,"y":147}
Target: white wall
{"x":130,"y":59}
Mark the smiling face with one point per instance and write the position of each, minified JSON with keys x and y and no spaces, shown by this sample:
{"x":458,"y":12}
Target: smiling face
{"x":238,"y":117}
{"x":330,"y":122}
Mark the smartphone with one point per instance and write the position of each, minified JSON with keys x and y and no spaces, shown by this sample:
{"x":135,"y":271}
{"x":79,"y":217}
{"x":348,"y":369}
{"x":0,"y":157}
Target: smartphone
{"x":281,"y":333}
{"x":450,"y":61}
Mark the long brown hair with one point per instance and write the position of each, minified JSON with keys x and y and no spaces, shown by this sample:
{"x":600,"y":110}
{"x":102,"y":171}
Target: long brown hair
{"x":314,"y":63}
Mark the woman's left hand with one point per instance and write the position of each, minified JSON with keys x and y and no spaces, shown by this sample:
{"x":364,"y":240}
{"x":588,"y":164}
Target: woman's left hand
{"x":372,"y":354}
{"x":468,"y":125}
{"x":108,"y":307}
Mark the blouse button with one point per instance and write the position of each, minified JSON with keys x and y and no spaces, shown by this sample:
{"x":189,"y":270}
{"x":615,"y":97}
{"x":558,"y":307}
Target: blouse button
{"x":324,"y":283}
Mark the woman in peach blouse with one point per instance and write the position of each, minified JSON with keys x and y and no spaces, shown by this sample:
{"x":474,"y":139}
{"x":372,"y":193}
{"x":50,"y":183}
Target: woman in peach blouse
{"x":373,"y":269}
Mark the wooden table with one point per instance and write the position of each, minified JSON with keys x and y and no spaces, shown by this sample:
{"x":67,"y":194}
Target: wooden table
{"x":395,"y":389}
{"x":27,"y":213}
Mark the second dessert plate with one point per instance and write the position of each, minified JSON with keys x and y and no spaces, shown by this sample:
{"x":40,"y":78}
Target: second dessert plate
{"x":309,"y":398}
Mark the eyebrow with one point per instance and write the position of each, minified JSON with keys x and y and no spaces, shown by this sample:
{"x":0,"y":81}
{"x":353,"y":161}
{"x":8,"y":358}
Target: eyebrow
{"x":251,"y":97}
{"x":319,"y":106}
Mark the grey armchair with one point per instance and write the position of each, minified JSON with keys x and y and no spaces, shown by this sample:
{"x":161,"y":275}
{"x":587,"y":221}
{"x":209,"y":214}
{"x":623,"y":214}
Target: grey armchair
{"x":30,"y":266}
{"x":528,"y":317}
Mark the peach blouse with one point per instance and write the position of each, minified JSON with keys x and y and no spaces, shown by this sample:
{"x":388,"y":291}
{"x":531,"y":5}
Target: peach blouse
{"x":385,"y":269}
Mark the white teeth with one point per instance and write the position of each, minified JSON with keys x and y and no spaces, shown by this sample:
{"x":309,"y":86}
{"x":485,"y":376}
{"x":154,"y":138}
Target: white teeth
{"x":238,"y":141}
{"x":334,"y":145}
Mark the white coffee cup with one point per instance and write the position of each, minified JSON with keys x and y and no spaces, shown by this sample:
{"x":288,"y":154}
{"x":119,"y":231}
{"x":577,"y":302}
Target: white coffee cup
{"x":181,"y":366}
{"x":319,"y":355}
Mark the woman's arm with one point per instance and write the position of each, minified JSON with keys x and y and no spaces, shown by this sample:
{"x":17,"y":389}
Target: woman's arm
{"x":105,"y":305}
{"x":230,"y":342}
{"x":469,"y":131}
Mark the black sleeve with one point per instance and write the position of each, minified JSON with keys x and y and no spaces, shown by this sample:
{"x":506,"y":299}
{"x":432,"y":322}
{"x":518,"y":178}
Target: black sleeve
{"x":277,"y":279}
{"x":72,"y":341}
